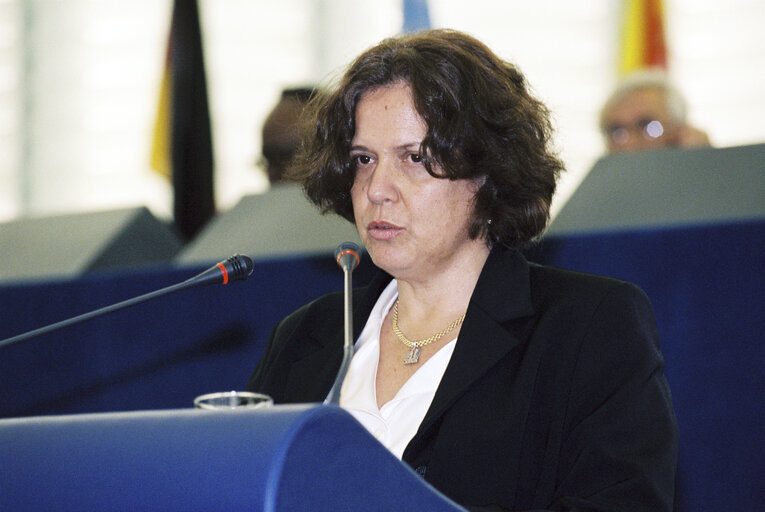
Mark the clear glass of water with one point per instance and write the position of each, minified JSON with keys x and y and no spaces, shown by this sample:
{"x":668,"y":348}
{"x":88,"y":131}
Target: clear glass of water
{"x":232,"y":400}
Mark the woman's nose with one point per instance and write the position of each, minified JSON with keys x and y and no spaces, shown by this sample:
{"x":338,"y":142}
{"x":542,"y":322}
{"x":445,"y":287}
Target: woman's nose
{"x":381,"y":187}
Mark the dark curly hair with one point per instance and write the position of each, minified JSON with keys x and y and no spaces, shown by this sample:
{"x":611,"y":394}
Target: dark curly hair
{"x":482,"y":121}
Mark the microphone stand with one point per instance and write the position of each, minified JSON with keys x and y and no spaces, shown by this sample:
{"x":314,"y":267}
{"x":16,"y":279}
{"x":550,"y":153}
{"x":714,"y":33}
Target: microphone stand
{"x":234,"y":268}
{"x":347,"y":256}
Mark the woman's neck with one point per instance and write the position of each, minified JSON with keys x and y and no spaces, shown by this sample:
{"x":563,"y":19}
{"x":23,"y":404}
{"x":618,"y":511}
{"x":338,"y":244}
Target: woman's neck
{"x":445,"y":293}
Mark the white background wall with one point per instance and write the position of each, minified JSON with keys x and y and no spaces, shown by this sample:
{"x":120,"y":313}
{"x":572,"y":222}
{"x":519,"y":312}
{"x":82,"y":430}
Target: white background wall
{"x":79,"y":81}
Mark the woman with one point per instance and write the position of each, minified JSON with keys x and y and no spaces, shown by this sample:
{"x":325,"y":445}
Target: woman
{"x":506,"y":385}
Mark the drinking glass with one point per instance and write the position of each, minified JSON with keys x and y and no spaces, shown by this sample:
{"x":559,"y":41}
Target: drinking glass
{"x":232,"y":400}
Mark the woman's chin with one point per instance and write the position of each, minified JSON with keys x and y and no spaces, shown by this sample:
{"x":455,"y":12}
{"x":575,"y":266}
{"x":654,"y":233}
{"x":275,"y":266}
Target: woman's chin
{"x":390,"y":260}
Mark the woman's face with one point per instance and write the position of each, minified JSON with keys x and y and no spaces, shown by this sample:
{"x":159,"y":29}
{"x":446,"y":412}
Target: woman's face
{"x":411,"y":223}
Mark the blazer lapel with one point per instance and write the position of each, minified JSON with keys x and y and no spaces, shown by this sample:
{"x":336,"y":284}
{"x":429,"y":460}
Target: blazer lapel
{"x":311,"y":376}
{"x":502,"y":294}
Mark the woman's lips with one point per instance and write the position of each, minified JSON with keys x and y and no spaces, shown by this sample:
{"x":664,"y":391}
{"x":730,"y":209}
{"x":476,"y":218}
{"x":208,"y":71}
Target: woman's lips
{"x":380,"y":230}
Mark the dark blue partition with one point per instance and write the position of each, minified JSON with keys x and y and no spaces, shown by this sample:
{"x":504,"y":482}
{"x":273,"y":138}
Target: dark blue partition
{"x":277,"y":459}
{"x":156,"y":355}
{"x":707,"y":285}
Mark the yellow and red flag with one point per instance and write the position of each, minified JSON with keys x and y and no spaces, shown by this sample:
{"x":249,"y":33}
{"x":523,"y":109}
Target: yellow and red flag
{"x":643,"y":38}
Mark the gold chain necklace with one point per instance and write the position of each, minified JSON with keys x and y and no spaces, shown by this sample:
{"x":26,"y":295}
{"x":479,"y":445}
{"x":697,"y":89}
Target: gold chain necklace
{"x":415,"y":347}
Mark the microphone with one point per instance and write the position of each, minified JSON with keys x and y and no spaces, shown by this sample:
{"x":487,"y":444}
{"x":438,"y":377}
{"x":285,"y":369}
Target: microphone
{"x":347,"y":257}
{"x":235,"y":268}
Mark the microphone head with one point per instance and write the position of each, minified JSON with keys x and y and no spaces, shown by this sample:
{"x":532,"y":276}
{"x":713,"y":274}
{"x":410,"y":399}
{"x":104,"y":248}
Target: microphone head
{"x":234,"y":268}
{"x":348,"y":255}
{"x":239,"y":267}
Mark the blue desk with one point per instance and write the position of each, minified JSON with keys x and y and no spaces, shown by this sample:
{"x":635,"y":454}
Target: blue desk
{"x":278,"y":459}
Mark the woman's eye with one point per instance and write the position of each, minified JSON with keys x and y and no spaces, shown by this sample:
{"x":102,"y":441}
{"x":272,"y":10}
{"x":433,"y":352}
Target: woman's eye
{"x":362,"y":159}
{"x":416,"y":158}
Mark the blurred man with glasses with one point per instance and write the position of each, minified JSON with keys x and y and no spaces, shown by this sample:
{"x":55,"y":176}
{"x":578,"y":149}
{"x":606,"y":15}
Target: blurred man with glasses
{"x":646,"y":112}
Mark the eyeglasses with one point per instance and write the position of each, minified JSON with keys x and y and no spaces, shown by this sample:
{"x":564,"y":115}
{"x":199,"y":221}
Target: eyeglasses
{"x":648,"y":129}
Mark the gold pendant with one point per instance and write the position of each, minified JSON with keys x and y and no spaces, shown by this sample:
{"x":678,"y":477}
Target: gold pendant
{"x":413,"y":357}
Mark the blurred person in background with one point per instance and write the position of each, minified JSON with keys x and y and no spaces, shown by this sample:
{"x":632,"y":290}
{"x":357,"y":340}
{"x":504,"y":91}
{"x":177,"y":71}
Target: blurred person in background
{"x":280,"y":137}
{"x":646,"y":112}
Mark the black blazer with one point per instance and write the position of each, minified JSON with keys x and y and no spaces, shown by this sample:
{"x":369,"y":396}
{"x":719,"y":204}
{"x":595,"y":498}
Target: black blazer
{"x":554,"y":397}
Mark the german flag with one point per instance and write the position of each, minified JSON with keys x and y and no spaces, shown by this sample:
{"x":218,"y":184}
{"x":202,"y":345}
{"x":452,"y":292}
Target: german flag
{"x":182,"y":148}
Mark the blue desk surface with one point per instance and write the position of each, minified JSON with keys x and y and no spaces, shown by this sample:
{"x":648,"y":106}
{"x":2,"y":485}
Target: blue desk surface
{"x":281,"y":458}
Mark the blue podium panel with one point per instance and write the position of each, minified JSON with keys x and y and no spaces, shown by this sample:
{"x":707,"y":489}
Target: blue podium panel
{"x":275,"y":459}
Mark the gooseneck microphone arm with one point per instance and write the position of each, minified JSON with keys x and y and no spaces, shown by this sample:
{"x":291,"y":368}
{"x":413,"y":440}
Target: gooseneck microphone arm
{"x":235,"y":268}
{"x":347,"y":257}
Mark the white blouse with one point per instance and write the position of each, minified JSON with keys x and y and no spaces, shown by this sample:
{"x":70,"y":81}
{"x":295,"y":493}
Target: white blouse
{"x":396,"y":423}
